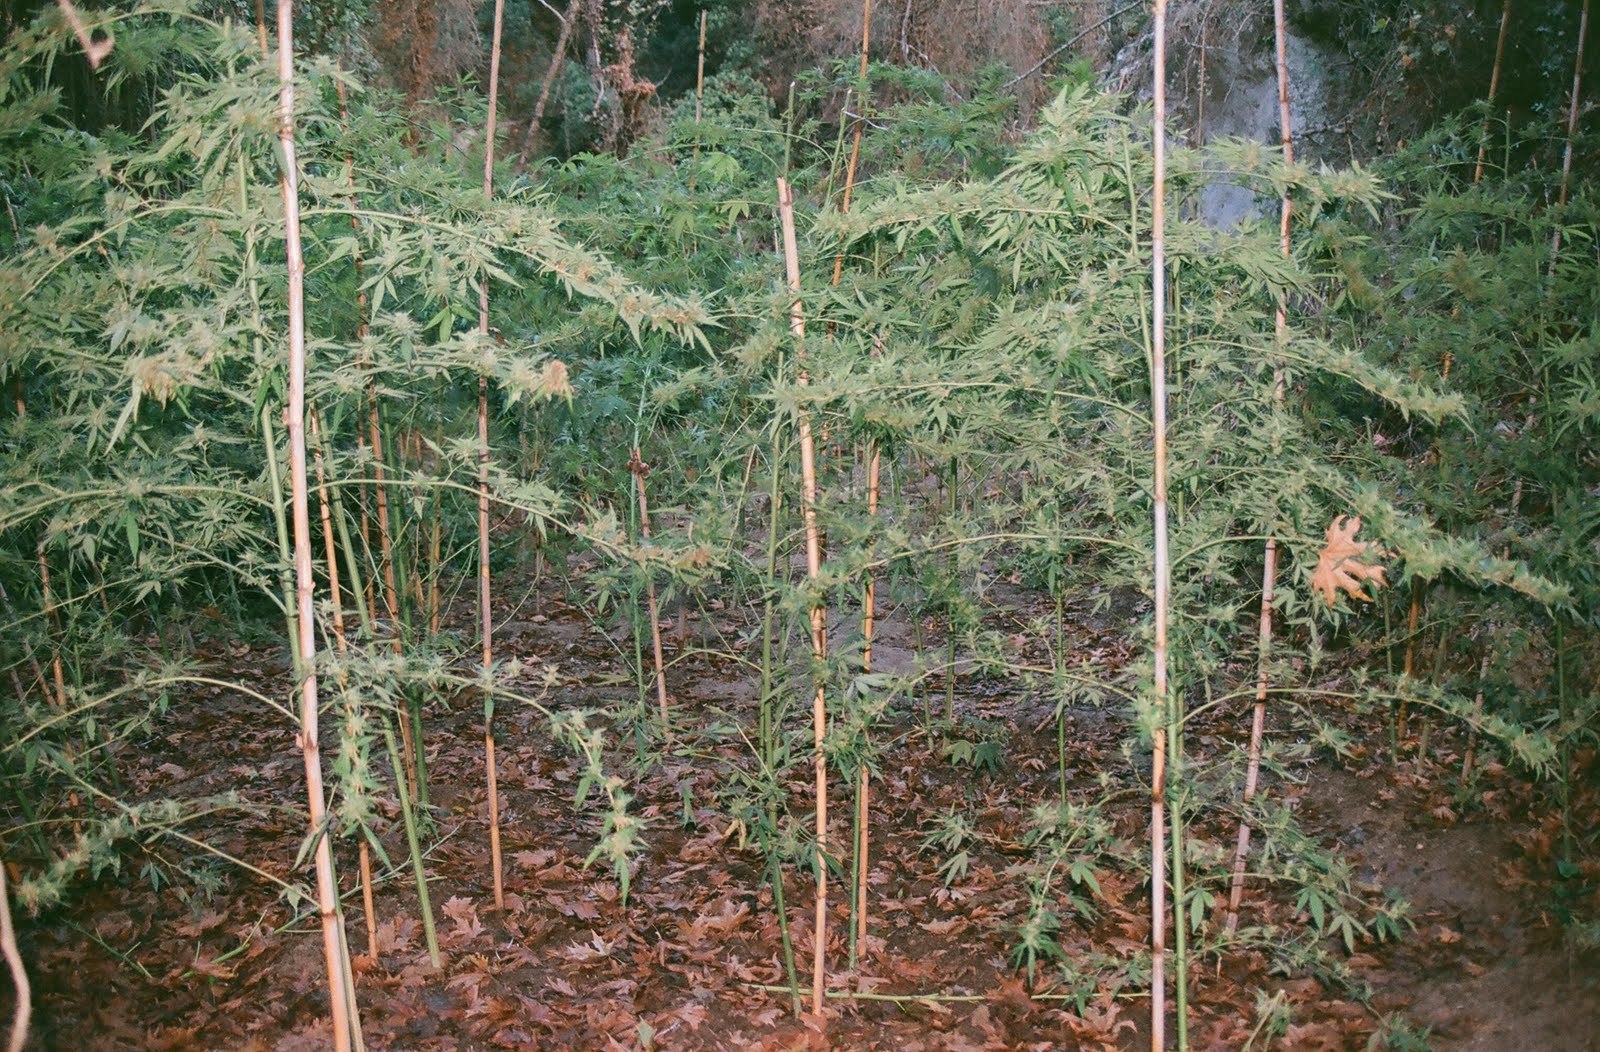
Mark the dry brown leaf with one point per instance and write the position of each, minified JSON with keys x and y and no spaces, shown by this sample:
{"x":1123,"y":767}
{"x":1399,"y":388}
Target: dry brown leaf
{"x":1339,"y":567}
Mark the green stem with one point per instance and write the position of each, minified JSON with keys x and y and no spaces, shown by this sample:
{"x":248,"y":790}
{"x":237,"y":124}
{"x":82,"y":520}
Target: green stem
{"x":412,"y":842}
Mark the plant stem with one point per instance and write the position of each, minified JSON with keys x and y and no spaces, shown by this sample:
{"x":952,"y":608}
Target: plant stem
{"x":413,"y":844}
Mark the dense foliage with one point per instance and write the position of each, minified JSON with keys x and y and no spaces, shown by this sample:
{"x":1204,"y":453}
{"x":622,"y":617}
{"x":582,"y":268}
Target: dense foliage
{"x":979,"y":316}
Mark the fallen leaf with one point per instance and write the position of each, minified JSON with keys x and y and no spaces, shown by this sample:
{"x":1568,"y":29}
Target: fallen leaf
{"x":1338,"y":566}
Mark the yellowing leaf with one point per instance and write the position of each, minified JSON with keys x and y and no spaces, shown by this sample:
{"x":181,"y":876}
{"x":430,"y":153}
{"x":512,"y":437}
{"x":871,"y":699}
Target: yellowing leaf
{"x":1339,"y":567}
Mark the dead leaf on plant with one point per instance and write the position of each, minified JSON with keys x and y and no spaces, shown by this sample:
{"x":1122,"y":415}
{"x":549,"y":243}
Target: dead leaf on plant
{"x":1339,"y":566}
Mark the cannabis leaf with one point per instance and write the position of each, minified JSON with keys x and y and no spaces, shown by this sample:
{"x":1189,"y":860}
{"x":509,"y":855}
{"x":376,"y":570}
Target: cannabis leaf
{"x":1338,"y":565}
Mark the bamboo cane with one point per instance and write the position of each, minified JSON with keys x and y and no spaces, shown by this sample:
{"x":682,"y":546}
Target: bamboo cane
{"x":861,"y":124}
{"x":819,"y":616}
{"x":1269,"y":562}
{"x":1158,"y":397}
{"x":699,"y":100}
{"x":57,"y":673}
{"x":1572,"y":129}
{"x":342,"y":642}
{"x":342,"y":1010}
{"x":486,"y":626}
{"x":22,"y":1011}
{"x":1494,"y":84}
{"x":869,"y":613}
{"x":639,"y":470}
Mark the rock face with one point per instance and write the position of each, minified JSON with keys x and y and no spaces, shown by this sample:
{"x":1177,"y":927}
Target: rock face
{"x":1223,"y":84}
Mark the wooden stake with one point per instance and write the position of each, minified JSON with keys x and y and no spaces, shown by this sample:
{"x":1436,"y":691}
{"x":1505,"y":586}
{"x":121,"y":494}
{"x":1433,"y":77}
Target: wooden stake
{"x":1159,"y":490}
{"x":640,"y":469}
{"x":23,"y":1009}
{"x":342,"y":642}
{"x":57,"y":674}
{"x":868,"y":612}
{"x":1269,"y":562}
{"x":486,"y":624}
{"x":1477,"y":713}
{"x":1158,"y":397}
{"x":1408,"y":667}
{"x":342,"y":1010}
{"x":1572,"y":128}
{"x":1494,"y":84}
{"x":861,"y":124}
{"x":699,"y":98}
{"x":819,"y":614}
{"x":868,"y":626}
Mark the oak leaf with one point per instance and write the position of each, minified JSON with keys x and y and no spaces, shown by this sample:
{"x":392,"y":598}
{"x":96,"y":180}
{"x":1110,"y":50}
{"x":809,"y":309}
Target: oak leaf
{"x":1339,"y":566}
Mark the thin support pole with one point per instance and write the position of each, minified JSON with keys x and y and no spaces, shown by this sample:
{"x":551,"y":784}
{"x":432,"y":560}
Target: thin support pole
{"x":819,"y":614}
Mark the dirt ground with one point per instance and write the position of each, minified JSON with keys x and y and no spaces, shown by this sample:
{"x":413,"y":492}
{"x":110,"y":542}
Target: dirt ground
{"x":693,"y":959}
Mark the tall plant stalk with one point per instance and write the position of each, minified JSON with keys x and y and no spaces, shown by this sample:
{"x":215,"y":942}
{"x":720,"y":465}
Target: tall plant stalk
{"x":342,"y":1010}
{"x":419,"y":869}
{"x":1158,"y":420}
{"x":485,"y":611}
{"x":639,"y":470}
{"x":819,"y":614}
{"x":1269,"y":561}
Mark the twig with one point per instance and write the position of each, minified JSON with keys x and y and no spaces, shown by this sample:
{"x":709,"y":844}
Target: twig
{"x":1036,"y":67}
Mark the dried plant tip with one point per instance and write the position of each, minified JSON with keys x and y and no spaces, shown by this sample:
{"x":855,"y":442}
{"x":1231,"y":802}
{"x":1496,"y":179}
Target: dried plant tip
{"x":96,"y":51}
{"x":1339,"y":567}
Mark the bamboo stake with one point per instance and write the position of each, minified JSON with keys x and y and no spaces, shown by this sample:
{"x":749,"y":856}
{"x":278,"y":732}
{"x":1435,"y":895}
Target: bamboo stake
{"x":23,"y":1009}
{"x":529,"y":140}
{"x":640,"y":469}
{"x":819,"y":615}
{"x":1269,"y":562}
{"x":861,"y":124}
{"x":342,"y":642}
{"x":699,"y":99}
{"x":1572,"y":128}
{"x":1494,"y":84}
{"x":1477,"y":713}
{"x":342,"y":1010}
{"x":868,"y":611}
{"x":486,"y":626}
{"x":261,"y":28}
{"x":1158,"y":417}
{"x":53,"y":621}
{"x":1408,"y":667}
{"x":868,"y":626}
